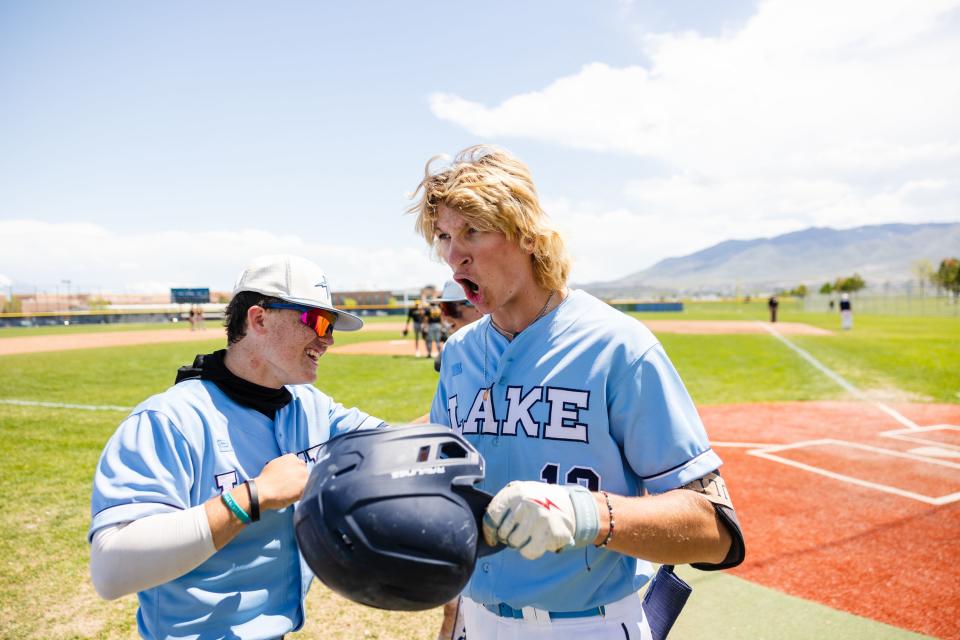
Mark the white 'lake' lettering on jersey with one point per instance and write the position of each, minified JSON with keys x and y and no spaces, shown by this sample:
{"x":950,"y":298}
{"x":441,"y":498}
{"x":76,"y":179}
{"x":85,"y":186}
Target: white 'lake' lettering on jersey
{"x":564,"y":407}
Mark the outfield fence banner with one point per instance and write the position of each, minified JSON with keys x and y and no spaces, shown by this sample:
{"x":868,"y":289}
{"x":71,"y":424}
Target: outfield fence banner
{"x":881,"y":303}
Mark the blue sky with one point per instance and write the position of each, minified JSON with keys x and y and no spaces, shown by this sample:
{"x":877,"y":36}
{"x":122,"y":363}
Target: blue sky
{"x":150,"y":145}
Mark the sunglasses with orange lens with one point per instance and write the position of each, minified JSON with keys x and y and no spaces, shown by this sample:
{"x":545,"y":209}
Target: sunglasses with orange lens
{"x":320,"y":320}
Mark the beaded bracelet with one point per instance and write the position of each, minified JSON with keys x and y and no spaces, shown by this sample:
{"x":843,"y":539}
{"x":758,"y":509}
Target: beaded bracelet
{"x":613,"y":522}
{"x":235,"y":508}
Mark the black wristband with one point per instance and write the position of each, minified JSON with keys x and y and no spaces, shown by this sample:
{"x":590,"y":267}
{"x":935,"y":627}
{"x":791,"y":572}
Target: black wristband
{"x":254,"y":500}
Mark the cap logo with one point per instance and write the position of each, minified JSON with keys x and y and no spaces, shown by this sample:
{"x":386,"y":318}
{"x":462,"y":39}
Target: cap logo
{"x":322,"y":284}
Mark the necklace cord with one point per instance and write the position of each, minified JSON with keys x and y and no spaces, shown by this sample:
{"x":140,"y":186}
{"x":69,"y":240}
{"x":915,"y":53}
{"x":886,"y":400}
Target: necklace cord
{"x":509,"y":335}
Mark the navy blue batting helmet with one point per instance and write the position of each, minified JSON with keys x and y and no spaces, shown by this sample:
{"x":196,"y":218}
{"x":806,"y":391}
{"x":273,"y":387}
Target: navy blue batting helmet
{"x":390,"y":517}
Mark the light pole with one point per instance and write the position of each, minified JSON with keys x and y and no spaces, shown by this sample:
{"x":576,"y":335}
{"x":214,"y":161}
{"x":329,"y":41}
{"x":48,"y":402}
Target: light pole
{"x":68,"y":283}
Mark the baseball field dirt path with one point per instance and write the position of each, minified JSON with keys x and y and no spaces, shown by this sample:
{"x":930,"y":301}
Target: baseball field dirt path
{"x":37,"y":344}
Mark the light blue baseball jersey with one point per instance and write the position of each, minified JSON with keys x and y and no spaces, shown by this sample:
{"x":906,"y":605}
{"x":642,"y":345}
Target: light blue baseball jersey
{"x":178,"y":449}
{"x":585,"y":394}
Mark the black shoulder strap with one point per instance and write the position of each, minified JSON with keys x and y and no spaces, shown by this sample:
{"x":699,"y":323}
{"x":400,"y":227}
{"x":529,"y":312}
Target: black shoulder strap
{"x":190,"y":371}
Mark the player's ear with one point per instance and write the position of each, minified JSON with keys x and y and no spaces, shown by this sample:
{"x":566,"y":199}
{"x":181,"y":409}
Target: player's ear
{"x":256,"y":319}
{"x":527,"y":244}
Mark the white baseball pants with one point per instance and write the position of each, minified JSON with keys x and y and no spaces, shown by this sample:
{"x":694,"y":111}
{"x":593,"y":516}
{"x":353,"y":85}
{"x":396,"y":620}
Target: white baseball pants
{"x":624,"y":620}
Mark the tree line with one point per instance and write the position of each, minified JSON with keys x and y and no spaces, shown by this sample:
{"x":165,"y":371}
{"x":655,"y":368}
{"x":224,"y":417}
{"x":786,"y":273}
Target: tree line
{"x":945,"y":278}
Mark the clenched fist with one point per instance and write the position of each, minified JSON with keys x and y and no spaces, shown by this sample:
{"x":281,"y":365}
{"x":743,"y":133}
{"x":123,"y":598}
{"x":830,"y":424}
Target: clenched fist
{"x":536,"y":517}
{"x":282,"y":481}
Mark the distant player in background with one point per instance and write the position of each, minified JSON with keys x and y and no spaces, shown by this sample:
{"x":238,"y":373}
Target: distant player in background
{"x":415,"y":316}
{"x":433,"y":324}
{"x":455,"y":312}
{"x":193,"y":494}
{"x":592,"y":444}
{"x":196,"y":317}
{"x":846,"y":312}
{"x":773,"y":303}
{"x":455,"y":309}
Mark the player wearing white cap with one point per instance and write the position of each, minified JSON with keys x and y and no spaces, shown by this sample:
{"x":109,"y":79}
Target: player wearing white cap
{"x":592,"y":444}
{"x":455,"y":312}
{"x":193,"y":495}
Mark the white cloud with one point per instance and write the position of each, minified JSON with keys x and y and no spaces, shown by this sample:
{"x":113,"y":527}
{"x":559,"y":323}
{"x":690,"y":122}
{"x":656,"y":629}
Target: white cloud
{"x":606,"y":244}
{"x":799,"y":84}
{"x":94,"y":258}
{"x":814,"y":113}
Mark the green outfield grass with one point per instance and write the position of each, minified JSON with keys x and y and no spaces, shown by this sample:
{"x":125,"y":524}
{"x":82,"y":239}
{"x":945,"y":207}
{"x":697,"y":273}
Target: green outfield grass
{"x":48,"y":455}
{"x":124,"y":376}
{"x":893,"y":357}
{"x":744,"y":368}
{"x":912,"y":359}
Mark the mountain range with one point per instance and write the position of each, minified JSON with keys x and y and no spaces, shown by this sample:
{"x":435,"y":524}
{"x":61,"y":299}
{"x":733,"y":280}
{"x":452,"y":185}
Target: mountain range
{"x":881,"y":254}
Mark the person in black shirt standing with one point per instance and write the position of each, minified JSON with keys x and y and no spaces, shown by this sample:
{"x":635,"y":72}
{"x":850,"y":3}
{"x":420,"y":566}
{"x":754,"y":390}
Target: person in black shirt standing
{"x":415,"y":315}
{"x":433,"y":324}
{"x":846,"y":312}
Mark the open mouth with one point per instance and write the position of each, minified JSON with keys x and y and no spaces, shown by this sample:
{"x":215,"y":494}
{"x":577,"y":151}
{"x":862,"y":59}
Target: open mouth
{"x":471,"y":288}
{"x":313,"y":354}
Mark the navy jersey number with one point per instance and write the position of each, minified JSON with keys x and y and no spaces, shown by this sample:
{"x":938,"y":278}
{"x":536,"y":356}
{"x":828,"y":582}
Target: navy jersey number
{"x":577,"y":475}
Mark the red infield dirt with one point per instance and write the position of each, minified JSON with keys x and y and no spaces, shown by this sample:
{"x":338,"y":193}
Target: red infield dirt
{"x":855,"y":547}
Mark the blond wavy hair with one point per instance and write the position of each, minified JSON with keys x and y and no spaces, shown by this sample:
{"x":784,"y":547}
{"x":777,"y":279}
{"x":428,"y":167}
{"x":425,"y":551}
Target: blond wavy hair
{"x":493,"y":191}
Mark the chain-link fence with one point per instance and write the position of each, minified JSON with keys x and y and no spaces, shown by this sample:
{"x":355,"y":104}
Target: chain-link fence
{"x":879,"y":302}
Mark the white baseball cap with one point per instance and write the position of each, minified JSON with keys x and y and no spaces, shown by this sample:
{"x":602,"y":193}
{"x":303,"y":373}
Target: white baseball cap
{"x":452,"y":292}
{"x":295,"y":280}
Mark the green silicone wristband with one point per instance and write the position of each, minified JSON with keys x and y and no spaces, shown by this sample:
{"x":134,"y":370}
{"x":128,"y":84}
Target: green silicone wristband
{"x":233,"y":506}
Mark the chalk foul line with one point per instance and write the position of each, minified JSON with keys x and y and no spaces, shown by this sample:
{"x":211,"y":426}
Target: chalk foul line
{"x":63,"y":405}
{"x":840,"y":380}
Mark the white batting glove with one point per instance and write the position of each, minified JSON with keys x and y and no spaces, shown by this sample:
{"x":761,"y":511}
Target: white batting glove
{"x":536,"y":517}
